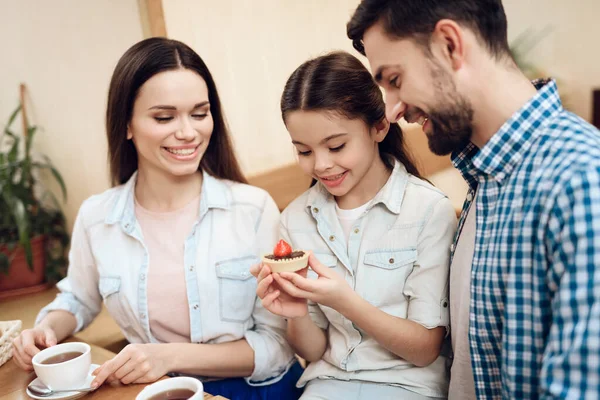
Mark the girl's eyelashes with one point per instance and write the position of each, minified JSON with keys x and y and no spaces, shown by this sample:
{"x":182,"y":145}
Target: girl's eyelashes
{"x":332,"y":149}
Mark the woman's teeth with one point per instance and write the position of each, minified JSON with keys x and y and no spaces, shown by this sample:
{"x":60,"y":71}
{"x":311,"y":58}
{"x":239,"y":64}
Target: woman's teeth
{"x":181,"y":152}
{"x":333,"y":178}
{"x":422,"y":119}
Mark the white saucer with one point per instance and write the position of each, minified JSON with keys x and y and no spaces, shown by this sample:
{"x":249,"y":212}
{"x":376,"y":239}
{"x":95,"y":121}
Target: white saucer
{"x":65,"y":395}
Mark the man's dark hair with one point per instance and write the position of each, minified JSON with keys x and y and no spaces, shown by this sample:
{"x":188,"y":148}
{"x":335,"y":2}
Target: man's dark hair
{"x":418,"y":18}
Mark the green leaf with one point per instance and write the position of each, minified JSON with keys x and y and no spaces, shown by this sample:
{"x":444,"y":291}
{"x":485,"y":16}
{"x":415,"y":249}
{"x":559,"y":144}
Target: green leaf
{"x":12,"y":118}
{"x":4,"y":264}
{"x":20,"y":214}
{"x":6,"y":130}
{"x":56,"y":175}
{"x":14,"y":151}
{"x":10,"y":133}
{"x":29,"y":140}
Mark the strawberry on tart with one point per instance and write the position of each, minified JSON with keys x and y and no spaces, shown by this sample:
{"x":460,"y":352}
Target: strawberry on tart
{"x":284,"y":259}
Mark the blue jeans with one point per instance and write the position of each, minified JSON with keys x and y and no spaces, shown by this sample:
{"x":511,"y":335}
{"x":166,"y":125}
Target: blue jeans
{"x":238,"y":388}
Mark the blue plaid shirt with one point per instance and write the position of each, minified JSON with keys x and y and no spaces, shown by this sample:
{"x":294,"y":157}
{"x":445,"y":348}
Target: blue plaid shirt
{"x":535,"y":281}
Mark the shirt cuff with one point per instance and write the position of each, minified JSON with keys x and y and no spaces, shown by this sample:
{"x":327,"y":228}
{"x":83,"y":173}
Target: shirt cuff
{"x":68,"y":302}
{"x":270,"y":359}
{"x":430,"y":315}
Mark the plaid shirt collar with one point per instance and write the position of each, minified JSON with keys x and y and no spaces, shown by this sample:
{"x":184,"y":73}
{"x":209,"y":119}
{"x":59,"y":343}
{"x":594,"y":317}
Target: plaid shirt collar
{"x":503,"y":152}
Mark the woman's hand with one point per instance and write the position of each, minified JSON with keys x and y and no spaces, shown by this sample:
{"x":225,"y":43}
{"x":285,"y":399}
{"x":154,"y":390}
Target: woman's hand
{"x":136,"y":363}
{"x":29,"y":343}
{"x":275,"y":300}
{"x":330,"y":289}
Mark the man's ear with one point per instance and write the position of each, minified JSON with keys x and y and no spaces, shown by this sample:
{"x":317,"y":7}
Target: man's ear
{"x":448,"y":42}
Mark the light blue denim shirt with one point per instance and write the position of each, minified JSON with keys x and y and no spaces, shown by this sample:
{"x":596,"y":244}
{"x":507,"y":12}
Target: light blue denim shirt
{"x":108,"y":263}
{"x":397,"y":259}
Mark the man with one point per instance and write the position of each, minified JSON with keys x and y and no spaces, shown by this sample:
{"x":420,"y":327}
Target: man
{"x":525,"y":275}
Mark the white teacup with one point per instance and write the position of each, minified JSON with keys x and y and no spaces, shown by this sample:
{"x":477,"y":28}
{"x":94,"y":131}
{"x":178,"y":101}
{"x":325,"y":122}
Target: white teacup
{"x":65,"y":375}
{"x":166,"y":385}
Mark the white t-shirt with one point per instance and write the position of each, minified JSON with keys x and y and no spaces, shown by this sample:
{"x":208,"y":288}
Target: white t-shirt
{"x":349,"y":217}
{"x":462,"y":386}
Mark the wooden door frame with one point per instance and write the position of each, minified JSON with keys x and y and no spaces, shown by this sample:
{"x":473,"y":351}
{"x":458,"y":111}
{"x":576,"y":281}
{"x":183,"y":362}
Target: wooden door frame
{"x":152,"y":17}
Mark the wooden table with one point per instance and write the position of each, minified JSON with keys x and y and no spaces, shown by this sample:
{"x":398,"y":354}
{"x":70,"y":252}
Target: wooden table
{"x":13,"y":382}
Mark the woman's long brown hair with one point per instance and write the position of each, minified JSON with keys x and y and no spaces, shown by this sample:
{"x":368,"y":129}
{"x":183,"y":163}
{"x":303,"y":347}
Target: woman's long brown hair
{"x":141,"y":62}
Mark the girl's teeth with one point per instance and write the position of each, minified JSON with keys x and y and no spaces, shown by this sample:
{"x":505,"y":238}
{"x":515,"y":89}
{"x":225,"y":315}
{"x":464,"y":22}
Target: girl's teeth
{"x":181,"y":152}
{"x":421,"y":121}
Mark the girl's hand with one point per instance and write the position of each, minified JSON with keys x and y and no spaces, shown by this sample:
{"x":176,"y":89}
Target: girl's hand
{"x":275,"y":300}
{"x":136,"y":363}
{"x":330,"y":289}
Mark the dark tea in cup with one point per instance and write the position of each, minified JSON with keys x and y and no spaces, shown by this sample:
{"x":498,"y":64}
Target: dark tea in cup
{"x":62,"y":357}
{"x":177,"y":388}
{"x":173,"y":394}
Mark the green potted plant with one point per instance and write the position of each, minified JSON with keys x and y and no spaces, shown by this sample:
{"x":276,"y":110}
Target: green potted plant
{"x":33,"y":235}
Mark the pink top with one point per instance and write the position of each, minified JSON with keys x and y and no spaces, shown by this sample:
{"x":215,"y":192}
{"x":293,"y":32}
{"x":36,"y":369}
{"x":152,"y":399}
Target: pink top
{"x":164,"y":235}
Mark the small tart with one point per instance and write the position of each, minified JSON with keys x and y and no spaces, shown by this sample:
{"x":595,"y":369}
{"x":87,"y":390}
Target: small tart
{"x":295,"y":262}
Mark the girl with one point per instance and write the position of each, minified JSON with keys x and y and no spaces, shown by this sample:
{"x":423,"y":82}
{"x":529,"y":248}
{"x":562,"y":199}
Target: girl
{"x":373,"y":312}
{"x":168,"y":249}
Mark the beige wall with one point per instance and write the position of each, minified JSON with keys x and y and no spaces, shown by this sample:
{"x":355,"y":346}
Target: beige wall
{"x":571,"y":50}
{"x":65,"y":51}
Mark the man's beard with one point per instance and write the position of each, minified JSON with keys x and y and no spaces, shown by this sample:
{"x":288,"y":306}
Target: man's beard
{"x":451,"y":129}
{"x":451,"y":119}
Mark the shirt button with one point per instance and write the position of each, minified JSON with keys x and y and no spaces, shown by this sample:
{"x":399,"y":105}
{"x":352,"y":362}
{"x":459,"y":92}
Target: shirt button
{"x":127,"y":226}
{"x":316,"y":210}
{"x":356,"y":230}
{"x":142,"y":277}
{"x":445,"y":304}
{"x":391,"y":260}
{"x":191,"y":268}
{"x":331,"y":238}
{"x":195,"y":306}
{"x":143,"y":316}
{"x":470,"y":196}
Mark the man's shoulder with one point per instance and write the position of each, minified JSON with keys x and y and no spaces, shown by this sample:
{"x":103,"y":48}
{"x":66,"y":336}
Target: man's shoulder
{"x":568,"y":146}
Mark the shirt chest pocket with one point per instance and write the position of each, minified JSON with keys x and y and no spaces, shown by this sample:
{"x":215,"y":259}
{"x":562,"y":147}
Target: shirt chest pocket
{"x":110,"y":290}
{"x":237,"y":288}
{"x":327,"y":259}
{"x":386,"y":273}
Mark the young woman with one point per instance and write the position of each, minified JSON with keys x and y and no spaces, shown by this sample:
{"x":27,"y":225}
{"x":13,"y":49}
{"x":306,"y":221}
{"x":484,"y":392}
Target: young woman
{"x":168,"y":249}
{"x":372,"y":314}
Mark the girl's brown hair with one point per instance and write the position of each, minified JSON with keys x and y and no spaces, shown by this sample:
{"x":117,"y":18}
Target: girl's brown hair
{"x":338,"y":82}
